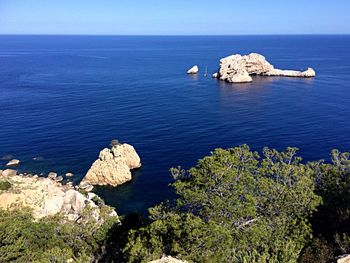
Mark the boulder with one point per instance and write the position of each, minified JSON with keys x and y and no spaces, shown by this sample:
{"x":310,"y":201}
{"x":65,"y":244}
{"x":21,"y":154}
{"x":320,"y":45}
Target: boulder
{"x":215,"y":75}
{"x":59,"y":178}
{"x":9,"y":172}
{"x":13,"y":162}
{"x":113,"y":166}
{"x":193,"y":70}
{"x":238,"y":69}
{"x":52,"y":175}
{"x":69,"y":174}
{"x":168,"y":259}
{"x":344,"y":259}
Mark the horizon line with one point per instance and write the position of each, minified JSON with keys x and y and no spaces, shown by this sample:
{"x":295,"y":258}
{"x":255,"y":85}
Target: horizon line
{"x":175,"y":35}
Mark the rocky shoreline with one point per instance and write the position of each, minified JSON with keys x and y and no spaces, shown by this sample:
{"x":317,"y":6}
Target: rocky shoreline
{"x":46,"y":196}
{"x":53,"y":194}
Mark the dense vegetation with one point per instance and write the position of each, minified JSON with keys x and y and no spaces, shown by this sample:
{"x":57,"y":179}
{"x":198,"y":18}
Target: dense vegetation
{"x":50,"y":240}
{"x":233,"y":206}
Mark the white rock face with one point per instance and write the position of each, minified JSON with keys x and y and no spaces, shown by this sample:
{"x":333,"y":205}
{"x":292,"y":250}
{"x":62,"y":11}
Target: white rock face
{"x":46,"y":197}
{"x":13,"y":162}
{"x":168,"y":260}
{"x":113,"y":166}
{"x":193,"y":70}
{"x":238,"y":69}
{"x":9,"y":172}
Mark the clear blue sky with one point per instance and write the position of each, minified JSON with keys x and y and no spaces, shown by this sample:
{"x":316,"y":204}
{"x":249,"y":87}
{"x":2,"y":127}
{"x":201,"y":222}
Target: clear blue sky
{"x":174,"y":17}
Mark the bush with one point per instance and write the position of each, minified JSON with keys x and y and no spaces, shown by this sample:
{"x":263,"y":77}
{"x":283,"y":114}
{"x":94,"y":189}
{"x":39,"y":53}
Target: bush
{"x":233,"y":207}
{"x":332,"y":220}
{"x":50,"y":239}
{"x":5,"y":185}
{"x":318,"y":251}
{"x":114,"y":142}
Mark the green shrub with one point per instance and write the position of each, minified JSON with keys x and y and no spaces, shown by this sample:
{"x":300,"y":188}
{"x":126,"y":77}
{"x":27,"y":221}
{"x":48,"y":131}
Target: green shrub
{"x":5,"y":185}
{"x":234,"y":206}
{"x":318,"y":251}
{"x":114,"y":142}
{"x":50,"y":239}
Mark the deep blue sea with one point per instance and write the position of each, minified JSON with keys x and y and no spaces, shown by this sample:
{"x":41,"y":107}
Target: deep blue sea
{"x":64,"y":98}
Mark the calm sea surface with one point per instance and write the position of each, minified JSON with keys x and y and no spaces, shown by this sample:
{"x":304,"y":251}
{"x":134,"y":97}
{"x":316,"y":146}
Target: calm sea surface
{"x":63,"y":98}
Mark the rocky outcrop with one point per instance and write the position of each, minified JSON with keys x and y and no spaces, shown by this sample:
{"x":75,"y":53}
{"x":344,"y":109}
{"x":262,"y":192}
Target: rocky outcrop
{"x":113,"y":166}
{"x":238,"y":69}
{"x":193,"y":70}
{"x":167,"y":260}
{"x":47,"y":197}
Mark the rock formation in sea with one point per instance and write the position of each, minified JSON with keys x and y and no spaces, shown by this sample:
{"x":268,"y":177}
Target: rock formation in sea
{"x":113,"y":166}
{"x":193,"y":70}
{"x":47,"y":197}
{"x":238,"y":69}
{"x":13,"y":162}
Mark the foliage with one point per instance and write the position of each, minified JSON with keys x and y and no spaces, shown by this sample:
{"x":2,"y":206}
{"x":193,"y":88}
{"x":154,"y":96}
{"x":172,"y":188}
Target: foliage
{"x":332,"y":221}
{"x":5,"y":185}
{"x":318,"y":251}
{"x":22,"y":239}
{"x":233,"y":207}
{"x":114,"y":142}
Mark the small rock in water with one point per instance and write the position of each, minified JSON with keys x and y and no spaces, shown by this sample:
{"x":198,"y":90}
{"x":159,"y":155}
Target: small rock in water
{"x":13,"y":162}
{"x":38,"y":158}
{"x":59,"y":178}
{"x":69,"y":174}
{"x":9,"y":172}
{"x":193,"y":70}
{"x":7,"y":157}
{"x":52,"y":175}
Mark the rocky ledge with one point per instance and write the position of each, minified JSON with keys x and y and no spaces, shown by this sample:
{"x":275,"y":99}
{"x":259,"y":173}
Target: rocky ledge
{"x":113,"y":167}
{"x":48,"y":197}
{"x":238,"y":69}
